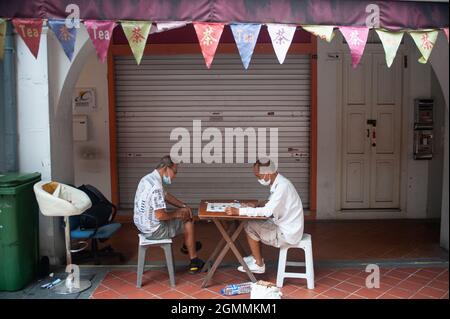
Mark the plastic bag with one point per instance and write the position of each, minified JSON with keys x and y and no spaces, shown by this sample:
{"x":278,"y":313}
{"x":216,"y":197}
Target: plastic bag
{"x":265,"y":290}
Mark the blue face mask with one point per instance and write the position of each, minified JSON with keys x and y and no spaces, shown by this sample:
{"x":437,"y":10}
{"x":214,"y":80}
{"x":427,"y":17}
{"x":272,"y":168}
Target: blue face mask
{"x":167,"y":180}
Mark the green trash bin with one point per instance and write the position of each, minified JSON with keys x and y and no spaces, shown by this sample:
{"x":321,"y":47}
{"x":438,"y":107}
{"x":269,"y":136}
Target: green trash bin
{"x":19,"y":226}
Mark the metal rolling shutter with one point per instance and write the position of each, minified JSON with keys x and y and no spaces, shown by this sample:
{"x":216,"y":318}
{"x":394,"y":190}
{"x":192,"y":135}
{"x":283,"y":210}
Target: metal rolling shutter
{"x":166,"y":92}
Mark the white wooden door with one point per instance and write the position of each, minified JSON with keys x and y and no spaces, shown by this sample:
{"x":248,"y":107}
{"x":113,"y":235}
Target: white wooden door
{"x":371,"y":133}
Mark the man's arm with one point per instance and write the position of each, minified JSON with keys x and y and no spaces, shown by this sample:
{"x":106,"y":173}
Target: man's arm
{"x":181,"y":213}
{"x":268,"y":209}
{"x":173,"y":200}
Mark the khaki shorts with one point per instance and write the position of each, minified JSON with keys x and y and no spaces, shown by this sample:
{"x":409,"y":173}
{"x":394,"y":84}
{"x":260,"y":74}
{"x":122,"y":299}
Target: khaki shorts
{"x":167,"y":229}
{"x":265,"y":231}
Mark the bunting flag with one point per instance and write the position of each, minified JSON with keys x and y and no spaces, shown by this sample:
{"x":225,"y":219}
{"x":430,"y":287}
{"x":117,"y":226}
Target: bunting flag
{"x":208,"y":35}
{"x":425,"y":41}
{"x":281,"y":35}
{"x":100,"y":33}
{"x":2,"y":37}
{"x":324,"y":32}
{"x":30,"y":31}
{"x":245,"y":36}
{"x":137,"y":34}
{"x":166,"y":26}
{"x":446,"y":32}
{"x":391,"y":42}
{"x":356,"y":38}
{"x":65,"y":35}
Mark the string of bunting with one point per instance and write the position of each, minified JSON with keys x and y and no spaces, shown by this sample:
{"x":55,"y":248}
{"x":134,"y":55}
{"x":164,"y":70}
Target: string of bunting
{"x":209,"y":34}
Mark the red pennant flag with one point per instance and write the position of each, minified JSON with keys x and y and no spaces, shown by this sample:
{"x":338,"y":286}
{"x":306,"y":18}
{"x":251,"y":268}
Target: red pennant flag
{"x":356,"y":38}
{"x":30,"y":31}
{"x":100,"y":33}
{"x":208,"y":36}
{"x":446,"y":32}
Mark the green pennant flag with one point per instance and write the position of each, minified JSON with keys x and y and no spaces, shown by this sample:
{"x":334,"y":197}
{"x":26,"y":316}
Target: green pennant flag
{"x":425,"y":40}
{"x":137,"y":34}
{"x":324,"y":32}
{"x":2,"y":37}
{"x":391,"y":41}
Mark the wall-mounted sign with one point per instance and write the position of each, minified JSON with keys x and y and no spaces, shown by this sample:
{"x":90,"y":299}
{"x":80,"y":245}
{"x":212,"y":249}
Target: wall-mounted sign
{"x":84,"y":100}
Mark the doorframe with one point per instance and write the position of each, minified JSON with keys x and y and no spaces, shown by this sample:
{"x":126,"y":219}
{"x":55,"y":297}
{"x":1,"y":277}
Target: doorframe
{"x":224,"y":48}
{"x":373,"y":213}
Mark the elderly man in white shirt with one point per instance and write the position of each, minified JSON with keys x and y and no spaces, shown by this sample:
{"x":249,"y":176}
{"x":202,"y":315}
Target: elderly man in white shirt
{"x":285,"y":209}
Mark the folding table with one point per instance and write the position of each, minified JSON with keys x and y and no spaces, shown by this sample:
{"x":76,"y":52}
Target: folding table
{"x":229,"y":235}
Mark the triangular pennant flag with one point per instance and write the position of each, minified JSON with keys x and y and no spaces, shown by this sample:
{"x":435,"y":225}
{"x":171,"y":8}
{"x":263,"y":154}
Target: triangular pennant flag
{"x":65,"y":35}
{"x":446,"y":32}
{"x":356,"y":38}
{"x":2,"y":37}
{"x":324,"y":32}
{"x":100,"y":33}
{"x":166,"y":26}
{"x":425,"y":41}
{"x":281,"y":35}
{"x":137,"y":34}
{"x":30,"y":31}
{"x":245,"y":36}
{"x":391,"y":41}
{"x":208,"y":35}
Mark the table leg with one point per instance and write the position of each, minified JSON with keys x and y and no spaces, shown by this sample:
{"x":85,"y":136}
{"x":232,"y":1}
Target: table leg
{"x":231,"y":245}
{"x":216,"y":251}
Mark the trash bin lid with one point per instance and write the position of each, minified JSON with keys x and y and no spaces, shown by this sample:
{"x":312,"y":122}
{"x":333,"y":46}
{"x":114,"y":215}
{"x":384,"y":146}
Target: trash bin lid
{"x":15,"y":179}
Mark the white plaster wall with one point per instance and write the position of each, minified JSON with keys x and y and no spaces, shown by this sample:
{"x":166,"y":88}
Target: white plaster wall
{"x":94,"y":169}
{"x":44,"y":121}
{"x":439,"y":62}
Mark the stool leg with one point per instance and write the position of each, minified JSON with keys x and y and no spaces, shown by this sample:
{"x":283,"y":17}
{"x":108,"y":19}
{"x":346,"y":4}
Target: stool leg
{"x":309,"y":266}
{"x":169,"y":260}
{"x":281,"y":266}
{"x":141,"y":263}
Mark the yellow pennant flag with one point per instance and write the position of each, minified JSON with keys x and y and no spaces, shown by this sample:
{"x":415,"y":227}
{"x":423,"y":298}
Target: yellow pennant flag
{"x":425,"y":41}
{"x":2,"y":37}
{"x":137,"y":33}
{"x":324,"y":32}
{"x":391,"y":41}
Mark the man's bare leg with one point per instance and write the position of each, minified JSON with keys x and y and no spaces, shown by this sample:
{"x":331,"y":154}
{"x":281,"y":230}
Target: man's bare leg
{"x":189,"y":239}
{"x":255,"y":247}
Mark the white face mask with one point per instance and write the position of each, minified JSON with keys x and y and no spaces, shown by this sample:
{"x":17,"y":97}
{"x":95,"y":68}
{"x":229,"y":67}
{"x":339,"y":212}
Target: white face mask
{"x":263,"y":182}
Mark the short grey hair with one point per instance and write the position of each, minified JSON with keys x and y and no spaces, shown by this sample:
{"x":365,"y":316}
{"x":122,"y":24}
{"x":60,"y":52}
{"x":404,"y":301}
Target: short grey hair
{"x":166,"y":161}
{"x":266,"y":166}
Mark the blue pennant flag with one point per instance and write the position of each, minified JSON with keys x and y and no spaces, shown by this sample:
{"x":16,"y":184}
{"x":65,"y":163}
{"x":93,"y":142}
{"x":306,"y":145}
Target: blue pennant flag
{"x":245,"y":36}
{"x":65,"y":35}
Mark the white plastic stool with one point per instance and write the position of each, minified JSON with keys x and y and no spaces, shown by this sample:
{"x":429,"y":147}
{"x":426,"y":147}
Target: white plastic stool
{"x":166,"y":245}
{"x":306,"y":245}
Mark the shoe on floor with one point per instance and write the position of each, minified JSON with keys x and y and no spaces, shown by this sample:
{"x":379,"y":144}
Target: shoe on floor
{"x":195,"y":265}
{"x":254,"y":268}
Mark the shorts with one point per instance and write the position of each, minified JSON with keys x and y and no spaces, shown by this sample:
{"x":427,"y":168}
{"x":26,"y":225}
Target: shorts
{"x":265,"y":231}
{"x":167,"y":229}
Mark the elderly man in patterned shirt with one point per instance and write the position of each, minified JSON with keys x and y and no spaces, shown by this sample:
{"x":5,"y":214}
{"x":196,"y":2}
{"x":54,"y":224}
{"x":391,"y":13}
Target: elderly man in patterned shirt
{"x":153,"y":219}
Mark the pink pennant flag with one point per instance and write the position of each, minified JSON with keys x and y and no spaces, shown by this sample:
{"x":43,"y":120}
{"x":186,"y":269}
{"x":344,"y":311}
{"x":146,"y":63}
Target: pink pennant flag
{"x":100,"y":33}
{"x":446,"y":32}
{"x":208,"y":36}
{"x":356,"y":38}
{"x":30,"y":31}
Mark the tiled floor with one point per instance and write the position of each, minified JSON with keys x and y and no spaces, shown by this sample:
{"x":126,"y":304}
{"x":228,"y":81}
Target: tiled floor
{"x":396,"y":283}
{"x":332,"y":240}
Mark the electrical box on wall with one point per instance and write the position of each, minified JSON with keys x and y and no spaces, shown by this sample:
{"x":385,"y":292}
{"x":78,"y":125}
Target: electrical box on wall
{"x":80,"y":128}
{"x":423,"y":129}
